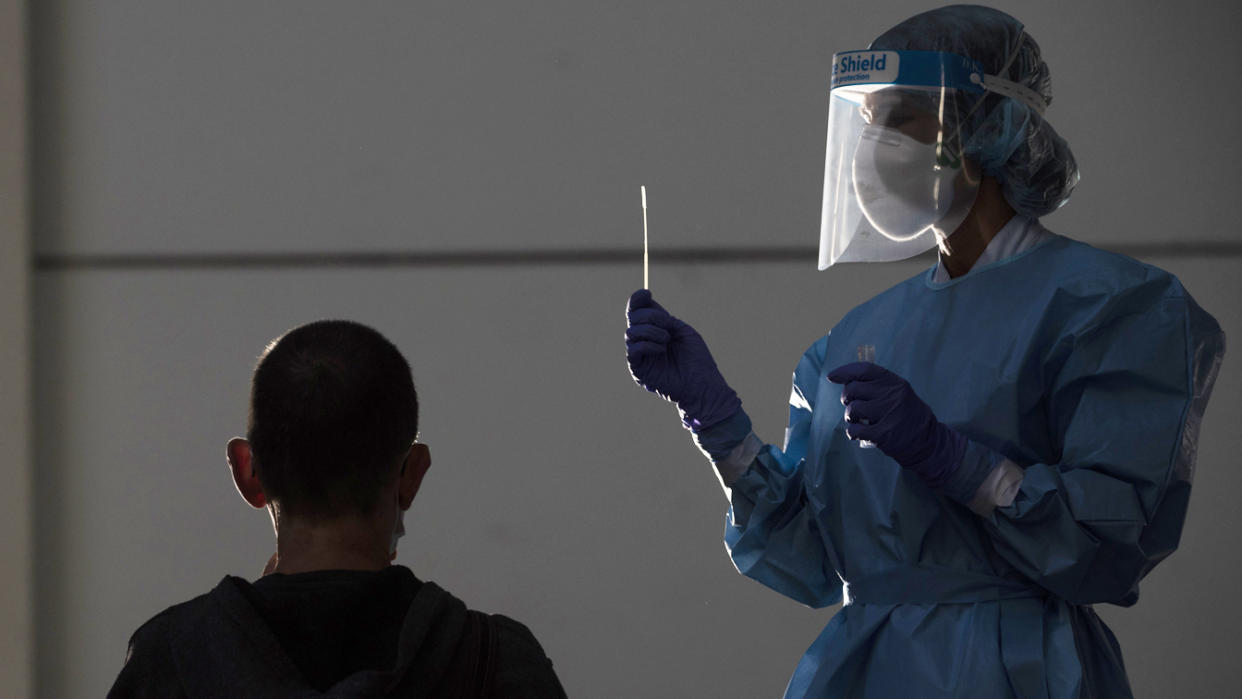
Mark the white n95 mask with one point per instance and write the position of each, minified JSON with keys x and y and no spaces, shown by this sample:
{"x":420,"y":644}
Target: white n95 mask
{"x":901,"y":188}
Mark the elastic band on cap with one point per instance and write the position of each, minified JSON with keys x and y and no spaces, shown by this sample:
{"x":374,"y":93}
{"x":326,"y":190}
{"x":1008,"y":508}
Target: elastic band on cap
{"x":1008,"y":88}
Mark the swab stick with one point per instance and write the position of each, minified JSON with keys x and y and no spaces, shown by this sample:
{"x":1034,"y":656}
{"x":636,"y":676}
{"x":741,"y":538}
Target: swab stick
{"x":643,"y":189}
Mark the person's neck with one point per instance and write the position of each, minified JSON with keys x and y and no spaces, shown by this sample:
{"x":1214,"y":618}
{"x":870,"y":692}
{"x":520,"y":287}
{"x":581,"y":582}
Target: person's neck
{"x":990,"y":213}
{"x":338,"y":544}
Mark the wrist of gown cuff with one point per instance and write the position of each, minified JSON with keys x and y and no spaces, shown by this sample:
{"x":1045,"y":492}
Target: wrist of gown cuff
{"x":999,"y":489}
{"x":717,"y":441}
{"x":977,"y":463}
{"x":738,"y":461}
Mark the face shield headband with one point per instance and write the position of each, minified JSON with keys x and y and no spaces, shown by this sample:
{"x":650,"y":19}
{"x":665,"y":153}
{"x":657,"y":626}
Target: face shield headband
{"x":893,"y":169}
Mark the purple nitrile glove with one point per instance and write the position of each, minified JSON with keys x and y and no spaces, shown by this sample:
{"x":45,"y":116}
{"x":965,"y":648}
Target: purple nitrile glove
{"x":882,"y":408}
{"x":670,"y":359}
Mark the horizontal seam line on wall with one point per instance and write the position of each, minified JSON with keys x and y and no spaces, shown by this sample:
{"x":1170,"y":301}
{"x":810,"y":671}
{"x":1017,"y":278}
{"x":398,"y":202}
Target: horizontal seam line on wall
{"x":492,"y":258}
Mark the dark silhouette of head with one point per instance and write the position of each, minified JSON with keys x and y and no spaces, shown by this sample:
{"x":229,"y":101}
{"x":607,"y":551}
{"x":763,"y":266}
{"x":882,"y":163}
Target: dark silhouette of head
{"x":332,"y":412}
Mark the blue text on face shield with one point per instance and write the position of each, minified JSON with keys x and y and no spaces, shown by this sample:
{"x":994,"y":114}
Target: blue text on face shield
{"x":852,"y":63}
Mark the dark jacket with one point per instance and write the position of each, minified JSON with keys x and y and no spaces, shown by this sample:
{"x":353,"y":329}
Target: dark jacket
{"x":333,"y":634}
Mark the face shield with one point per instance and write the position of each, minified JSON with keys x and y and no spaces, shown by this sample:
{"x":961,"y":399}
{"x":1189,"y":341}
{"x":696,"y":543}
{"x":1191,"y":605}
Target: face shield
{"x":894,"y":177}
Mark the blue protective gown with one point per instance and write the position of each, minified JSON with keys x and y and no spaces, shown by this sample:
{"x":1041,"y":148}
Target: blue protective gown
{"x":1087,"y":369}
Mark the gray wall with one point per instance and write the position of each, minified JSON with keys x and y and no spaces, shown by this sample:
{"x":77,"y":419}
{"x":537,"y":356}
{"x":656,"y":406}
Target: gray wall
{"x":16,"y":631}
{"x":207,"y":175}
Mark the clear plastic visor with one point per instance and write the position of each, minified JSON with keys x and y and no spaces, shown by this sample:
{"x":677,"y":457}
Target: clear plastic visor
{"x":893,"y":173}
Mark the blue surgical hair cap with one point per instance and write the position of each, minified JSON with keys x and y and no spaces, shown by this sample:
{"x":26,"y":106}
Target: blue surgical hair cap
{"x":1008,"y":139}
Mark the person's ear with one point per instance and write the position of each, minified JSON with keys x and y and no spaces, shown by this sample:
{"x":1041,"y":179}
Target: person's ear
{"x":244,"y":476}
{"x":412,"y":472}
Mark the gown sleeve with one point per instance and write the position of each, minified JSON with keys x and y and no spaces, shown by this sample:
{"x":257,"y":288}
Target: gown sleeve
{"x":1124,"y":406}
{"x":771,"y":531}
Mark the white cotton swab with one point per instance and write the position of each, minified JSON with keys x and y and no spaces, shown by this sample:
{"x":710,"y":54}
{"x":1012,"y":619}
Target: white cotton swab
{"x":643,"y":189}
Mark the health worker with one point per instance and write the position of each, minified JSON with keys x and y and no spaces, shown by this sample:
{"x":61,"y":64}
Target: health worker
{"x":981,"y":453}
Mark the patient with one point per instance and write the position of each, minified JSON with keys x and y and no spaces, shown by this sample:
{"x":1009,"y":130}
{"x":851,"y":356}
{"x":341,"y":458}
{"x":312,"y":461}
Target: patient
{"x":332,"y":454}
